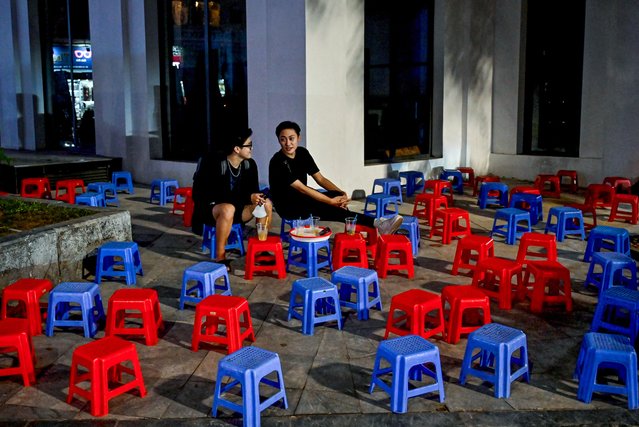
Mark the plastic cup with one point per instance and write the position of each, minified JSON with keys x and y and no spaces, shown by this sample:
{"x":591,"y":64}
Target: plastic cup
{"x":262,"y":231}
{"x":315,"y":225}
{"x":349,"y":225}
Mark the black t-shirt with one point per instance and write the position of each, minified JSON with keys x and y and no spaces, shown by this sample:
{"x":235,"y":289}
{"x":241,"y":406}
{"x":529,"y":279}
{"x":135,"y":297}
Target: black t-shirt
{"x":283,"y":171}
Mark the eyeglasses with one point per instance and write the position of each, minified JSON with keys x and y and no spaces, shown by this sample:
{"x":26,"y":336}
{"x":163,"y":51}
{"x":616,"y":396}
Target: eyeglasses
{"x":247,"y":146}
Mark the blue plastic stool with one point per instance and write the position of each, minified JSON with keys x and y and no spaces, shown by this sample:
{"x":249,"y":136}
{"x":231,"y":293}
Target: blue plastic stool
{"x":458,"y":179}
{"x":568,"y":221}
{"x":248,"y":368}
{"x":119,"y":254}
{"x":315,"y":294}
{"x":206,"y":275}
{"x":410,"y":225}
{"x":235,"y":240}
{"x":607,"y":269}
{"x":610,"y":352}
{"x":511,"y":230}
{"x":534,"y":202}
{"x":486,"y":199}
{"x":414,"y":181}
{"x":408,"y":357}
{"x":163,"y":190}
{"x":610,"y":238}
{"x":617,"y":311}
{"x":307,"y":255}
{"x":283,"y":231}
{"x":390,"y":186}
{"x":382,"y":203}
{"x":86,"y":301}
{"x":122,"y":181}
{"x":91,"y":198}
{"x":364,"y":283}
{"x":497,"y":344}
{"x":107,"y":189}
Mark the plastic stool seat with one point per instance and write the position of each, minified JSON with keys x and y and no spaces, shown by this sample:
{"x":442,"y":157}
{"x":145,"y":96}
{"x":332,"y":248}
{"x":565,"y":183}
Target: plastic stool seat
{"x":494,"y":276}
{"x":206,"y":275}
{"x":609,"y":238}
{"x":382,"y":203}
{"x":307,"y":255}
{"x":493,"y":193}
{"x":568,"y":221}
{"x":362,"y":282}
{"x":36,"y":188}
{"x":75,"y":297}
{"x":216,"y":310}
{"x":119,"y":259}
{"x":410,"y":227}
{"x":497,"y":345}
{"x":420,"y":313}
{"x":459,"y":299}
{"x":457,"y":179}
{"x":69,"y":186}
{"x":320,"y":303}
{"x":394,"y":247}
{"x":118,"y":177}
{"x":537,"y":240}
{"x":390,"y":186}
{"x":140,"y":304}
{"x":414,"y":181}
{"x":91,"y":198}
{"x":425,"y":205}
{"x":107,"y":189}
{"x":472,"y":248}
{"x":616,"y":270}
{"x":265,"y":256}
{"x":449,"y":223}
{"x":15,"y":338}
{"x":551,"y":285}
{"x":625,"y":199}
{"x":409,"y":357}
{"x":27,"y":292}
{"x":612,"y":352}
{"x":439,"y":187}
{"x":616,"y":305}
{"x":234,"y":241}
{"x":511,"y":229}
{"x":163,"y":190}
{"x":349,"y":250}
{"x":104,"y":361}
{"x":248,"y":368}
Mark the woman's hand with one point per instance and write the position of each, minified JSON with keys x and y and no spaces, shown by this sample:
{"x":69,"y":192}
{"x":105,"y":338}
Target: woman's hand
{"x":258,"y":199}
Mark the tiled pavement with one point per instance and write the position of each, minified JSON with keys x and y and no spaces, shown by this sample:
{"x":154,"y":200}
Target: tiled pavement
{"x":327,"y":374}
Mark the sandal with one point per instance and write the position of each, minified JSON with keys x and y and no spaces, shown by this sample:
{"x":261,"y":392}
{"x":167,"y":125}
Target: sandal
{"x":226,"y":263}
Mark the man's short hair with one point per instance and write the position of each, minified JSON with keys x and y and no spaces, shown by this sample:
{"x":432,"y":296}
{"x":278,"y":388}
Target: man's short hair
{"x":287,"y":125}
{"x":238,"y":138}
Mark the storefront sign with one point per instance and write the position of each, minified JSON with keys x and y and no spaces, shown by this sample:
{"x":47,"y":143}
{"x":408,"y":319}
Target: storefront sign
{"x":82,"y":57}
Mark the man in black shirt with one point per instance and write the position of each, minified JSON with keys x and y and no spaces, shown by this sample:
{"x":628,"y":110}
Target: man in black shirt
{"x":293,"y":198}
{"x":226,"y":191}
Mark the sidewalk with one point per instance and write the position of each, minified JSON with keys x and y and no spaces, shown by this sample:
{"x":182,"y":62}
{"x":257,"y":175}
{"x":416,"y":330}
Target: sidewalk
{"x":326,"y":375}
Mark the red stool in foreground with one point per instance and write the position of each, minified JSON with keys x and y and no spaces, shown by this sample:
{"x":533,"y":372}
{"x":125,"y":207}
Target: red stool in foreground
{"x":422,"y":314}
{"x":15,"y":337}
{"x":494,"y":276}
{"x":472,"y":248}
{"x":394,"y":246}
{"x":570,"y":174}
{"x":460,"y":299}
{"x":28,"y":293}
{"x":554,"y":185}
{"x":426,"y":204}
{"x":145,"y":306}
{"x":36,"y":188}
{"x":270,"y":258}
{"x":537,"y":240}
{"x":349,"y":250}
{"x":625,"y":199}
{"x":103,"y":359}
{"x":551,"y":285}
{"x":69,"y":186}
{"x":449,"y":223}
{"x":227,"y":310}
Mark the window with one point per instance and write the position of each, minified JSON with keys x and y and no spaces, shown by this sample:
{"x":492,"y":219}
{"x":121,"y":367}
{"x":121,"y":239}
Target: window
{"x":203,"y":74}
{"x":398,"y":80}
{"x":553,"y":76}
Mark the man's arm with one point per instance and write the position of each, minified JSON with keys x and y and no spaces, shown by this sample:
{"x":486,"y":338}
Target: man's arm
{"x":326,"y":183}
{"x":320,"y":197}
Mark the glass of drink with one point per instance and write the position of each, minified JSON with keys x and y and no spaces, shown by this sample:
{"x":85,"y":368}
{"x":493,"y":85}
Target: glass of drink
{"x":262,"y":231}
{"x":349,"y":225}
{"x":315,"y":225}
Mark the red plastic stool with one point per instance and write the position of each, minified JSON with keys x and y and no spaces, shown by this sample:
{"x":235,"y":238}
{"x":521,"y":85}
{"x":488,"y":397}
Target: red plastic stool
{"x":370,"y":235}
{"x":146,"y":306}
{"x":69,"y":186}
{"x":439,"y":187}
{"x":599,"y":195}
{"x":188,"y":211}
{"x":469,"y":180}
{"x":570,"y":174}
{"x":426,"y":204}
{"x":625,"y":199}
{"x":273,"y":261}
{"x":421,"y":314}
{"x":479,"y":180}
{"x":15,"y":337}
{"x":449,"y":223}
{"x":551,"y":285}
{"x":537,"y":240}
{"x":619,"y":183}
{"x":36,"y":188}
{"x":494,"y":276}
{"x":179,"y":201}
{"x":349,"y":250}
{"x":394,"y":246}
{"x":586,"y":210}
{"x":228,"y":310}
{"x":554,"y":185}
{"x":28,"y":293}
{"x":460,"y":299}
{"x":472,"y":248}
{"x":103,"y":359}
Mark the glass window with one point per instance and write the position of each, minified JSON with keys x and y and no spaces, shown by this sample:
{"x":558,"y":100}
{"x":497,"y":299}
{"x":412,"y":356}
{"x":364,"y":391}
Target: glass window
{"x":398,"y":80}
{"x":203,"y":63}
{"x":553,"y":76}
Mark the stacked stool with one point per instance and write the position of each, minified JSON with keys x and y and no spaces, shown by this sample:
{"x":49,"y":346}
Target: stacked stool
{"x":119,"y":259}
{"x":568,"y":220}
{"x":140,"y":304}
{"x":551,"y":285}
{"x":420,"y":313}
{"x":216,"y":310}
{"x":248,"y":367}
{"x":319,"y":301}
{"x":497,"y":345}
{"x":163,"y":190}
{"x":472,"y":248}
{"x":70,"y":298}
{"x":27,"y":293}
{"x":16,"y":338}
{"x":394,"y":247}
{"x":409,"y":357}
{"x":511,"y":229}
{"x":460,"y":299}
{"x":206,"y":276}
{"x":265,"y":256}
{"x":494,"y":276}
{"x":362,"y":282}
{"x":608,"y":269}
{"x":609,"y":238}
